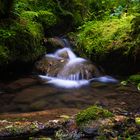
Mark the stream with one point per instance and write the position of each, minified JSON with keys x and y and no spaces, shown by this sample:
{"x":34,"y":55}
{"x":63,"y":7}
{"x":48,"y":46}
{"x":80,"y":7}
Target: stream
{"x":66,"y":94}
{"x":66,"y":85}
{"x":63,"y":85}
{"x":28,"y":94}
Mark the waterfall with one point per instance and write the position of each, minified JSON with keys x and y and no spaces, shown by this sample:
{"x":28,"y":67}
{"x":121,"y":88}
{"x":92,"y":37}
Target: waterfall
{"x":75,"y":71}
{"x":71,"y":55}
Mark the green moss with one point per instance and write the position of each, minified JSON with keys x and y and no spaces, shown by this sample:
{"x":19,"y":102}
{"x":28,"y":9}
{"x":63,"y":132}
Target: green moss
{"x":101,"y":138}
{"x":99,"y":37}
{"x":21,"y":42}
{"x":137,"y":120}
{"x":36,"y":5}
{"x":3,"y":54}
{"x":6,"y":33}
{"x":20,"y":5}
{"x":46,"y":18}
{"x":30,"y":47}
{"x":14,"y":129}
{"x":92,"y":113}
{"x":134,"y":79}
{"x":29,"y":15}
{"x":135,"y":137}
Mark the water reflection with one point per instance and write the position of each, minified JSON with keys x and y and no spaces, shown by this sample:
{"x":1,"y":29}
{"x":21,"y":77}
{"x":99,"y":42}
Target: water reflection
{"x":29,"y":94}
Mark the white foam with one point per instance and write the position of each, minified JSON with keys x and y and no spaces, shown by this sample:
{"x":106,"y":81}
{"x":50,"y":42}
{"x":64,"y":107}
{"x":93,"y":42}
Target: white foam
{"x":104,"y":79}
{"x":64,"y":83}
{"x":71,"y":55}
{"x":76,"y":60}
{"x":52,"y":56}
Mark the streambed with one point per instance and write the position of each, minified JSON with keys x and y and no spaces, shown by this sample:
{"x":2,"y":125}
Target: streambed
{"x":29,"y":94}
{"x":65,"y":84}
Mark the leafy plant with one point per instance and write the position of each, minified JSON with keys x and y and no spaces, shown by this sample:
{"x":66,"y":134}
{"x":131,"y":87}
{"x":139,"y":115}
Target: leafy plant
{"x":4,"y":53}
{"x":46,"y":18}
{"x":29,"y":15}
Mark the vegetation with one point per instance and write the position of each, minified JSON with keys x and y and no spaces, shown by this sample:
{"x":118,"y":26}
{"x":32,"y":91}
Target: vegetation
{"x":104,"y":28}
{"x":23,"y":25}
{"x":100,"y":37}
{"x":105,"y":31}
{"x":111,"y":38}
{"x":92,"y":113}
{"x":134,"y":79}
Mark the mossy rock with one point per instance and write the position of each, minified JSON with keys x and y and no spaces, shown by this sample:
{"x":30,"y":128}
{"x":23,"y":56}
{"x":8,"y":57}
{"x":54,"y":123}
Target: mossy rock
{"x":100,"y":37}
{"x":92,"y":113}
{"x":20,"y":42}
{"x":134,"y":78}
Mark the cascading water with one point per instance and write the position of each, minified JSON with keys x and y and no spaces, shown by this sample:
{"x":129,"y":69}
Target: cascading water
{"x":74,"y":71}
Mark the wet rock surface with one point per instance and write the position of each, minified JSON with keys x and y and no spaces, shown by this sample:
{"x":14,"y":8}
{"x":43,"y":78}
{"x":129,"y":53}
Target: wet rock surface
{"x":85,"y":69}
{"x":119,"y":126}
{"x":54,"y":43}
{"x":65,"y":65}
{"x":50,"y":65}
{"x":25,"y":127}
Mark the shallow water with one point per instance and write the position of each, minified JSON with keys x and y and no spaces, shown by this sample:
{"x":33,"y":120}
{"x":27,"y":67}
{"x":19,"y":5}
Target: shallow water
{"x":29,"y":94}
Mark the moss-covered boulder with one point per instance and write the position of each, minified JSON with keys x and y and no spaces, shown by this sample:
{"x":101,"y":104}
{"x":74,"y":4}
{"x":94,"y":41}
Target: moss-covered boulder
{"x":23,"y":42}
{"x":109,"y":42}
{"x":92,"y":113}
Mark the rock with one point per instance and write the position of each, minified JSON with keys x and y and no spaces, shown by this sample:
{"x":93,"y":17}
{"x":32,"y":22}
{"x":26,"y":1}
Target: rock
{"x":63,"y":54}
{"x":22,"y":128}
{"x":39,"y":138}
{"x":50,"y":65}
{"x":60,"y":67}
{"x":54,"y":43}
{"x":120,"y":118}
{"x":71,"y":125}
{"x":90,"y":132}
{"x":83,"y":70}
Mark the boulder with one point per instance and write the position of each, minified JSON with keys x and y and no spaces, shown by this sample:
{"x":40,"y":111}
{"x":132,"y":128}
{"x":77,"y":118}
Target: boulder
{"x":50,"y":65}
{"x":53,"y":43}
{"x":61,"y":68}
{"x":79,"y":70}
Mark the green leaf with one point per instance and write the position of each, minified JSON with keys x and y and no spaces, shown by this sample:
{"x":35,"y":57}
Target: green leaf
{"x":138,"y":86}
